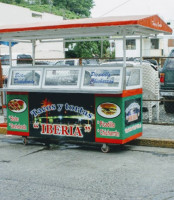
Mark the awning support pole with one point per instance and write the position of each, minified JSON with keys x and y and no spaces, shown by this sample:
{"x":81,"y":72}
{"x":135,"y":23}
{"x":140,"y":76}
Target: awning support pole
{"x":141,"y":47}
{"x":124,"y":48}
{"x":124,"y":60}
{"x":33,"y":51}
{"x":10,"y":54}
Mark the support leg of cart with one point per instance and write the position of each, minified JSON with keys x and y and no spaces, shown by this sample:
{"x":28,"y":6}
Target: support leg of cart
{"x":25,"y":140}
{"x":105,"y":148}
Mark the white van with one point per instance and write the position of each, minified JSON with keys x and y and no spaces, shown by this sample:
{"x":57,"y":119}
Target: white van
{"x":67,"y":62}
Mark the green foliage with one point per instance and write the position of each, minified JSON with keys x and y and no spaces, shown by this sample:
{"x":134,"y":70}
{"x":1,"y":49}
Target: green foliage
{"x":80,"y":7}
{"x":88,"y":49}
{"x":68,"y":8}
{"x":47,"y":8}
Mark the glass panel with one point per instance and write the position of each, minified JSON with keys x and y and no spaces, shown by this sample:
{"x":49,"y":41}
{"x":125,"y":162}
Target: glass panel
{"x":130,"y":44}
{"x":154,"y":43}
{"x":132,"y":77}
{"x":63,"y":77}
{"x":102,"y":78}
{"x":25,"y":77}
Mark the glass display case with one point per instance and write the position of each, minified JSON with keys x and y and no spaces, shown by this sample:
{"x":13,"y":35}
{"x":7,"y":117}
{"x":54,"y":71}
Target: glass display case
{"x":133,"y":78}
{"x":93,"y":79}
{"x":61,"y":78}
{"x":25,"y":78}
{"x":102,"y":78}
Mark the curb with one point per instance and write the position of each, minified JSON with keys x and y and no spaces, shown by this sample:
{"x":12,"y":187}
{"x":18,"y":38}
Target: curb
{"x":153,"y":142}
{"x":3,"y":130}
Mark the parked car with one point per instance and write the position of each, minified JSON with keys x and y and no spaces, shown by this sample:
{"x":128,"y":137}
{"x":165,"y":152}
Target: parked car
{"x":4,"y":60}
{"x":67,"y":62}
{"x":17,"y":59}
{"x":167,"y":83}
{"x":89,"y":62}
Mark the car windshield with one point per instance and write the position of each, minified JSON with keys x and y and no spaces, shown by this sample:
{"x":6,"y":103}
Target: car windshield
{"x":70,"y":62}
{"x":24,"y":59}
{"x":169,"y":63}
{"x":5,"y":60}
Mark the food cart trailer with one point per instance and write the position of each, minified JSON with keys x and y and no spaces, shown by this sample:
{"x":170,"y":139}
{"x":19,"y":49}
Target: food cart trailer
{"x":87,"y":104}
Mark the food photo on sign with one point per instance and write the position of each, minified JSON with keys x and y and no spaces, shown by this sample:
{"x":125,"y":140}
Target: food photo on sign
{"x":132,"y":111}
{"x":108,"y":110}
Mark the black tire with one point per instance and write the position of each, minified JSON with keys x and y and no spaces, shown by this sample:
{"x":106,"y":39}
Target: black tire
{"x":168,"y":106}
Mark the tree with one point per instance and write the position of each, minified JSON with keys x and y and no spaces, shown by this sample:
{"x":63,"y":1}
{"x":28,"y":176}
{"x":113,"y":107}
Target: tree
{"x":67,"y":8}
{"x":80,"y":7}
{"x":88,"y":49}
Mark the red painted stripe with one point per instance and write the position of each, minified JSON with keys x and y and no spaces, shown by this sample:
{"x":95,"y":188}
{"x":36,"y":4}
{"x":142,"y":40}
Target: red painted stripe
{"x":17,"y":93}
{"x":125,"y":93}
{"x":18,"y":133}
{"x":66,"y":26}
{"x":118,"y":141}
{"x":4,"y":106}
{"x":132,"y":137}
{"x":151,"y":22}
{"x":3,"y":125}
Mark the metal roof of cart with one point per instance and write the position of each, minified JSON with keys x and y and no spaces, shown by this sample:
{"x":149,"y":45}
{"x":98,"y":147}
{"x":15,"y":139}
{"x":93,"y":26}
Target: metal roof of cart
{"x":87,"y":27}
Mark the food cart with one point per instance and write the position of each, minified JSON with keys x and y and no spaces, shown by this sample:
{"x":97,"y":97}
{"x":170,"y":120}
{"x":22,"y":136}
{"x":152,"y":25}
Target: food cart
{"x":87,"y":104}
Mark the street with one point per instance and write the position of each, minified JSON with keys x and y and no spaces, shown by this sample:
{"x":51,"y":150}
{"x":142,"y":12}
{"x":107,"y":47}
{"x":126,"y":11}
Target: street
{"x":80,"y":173}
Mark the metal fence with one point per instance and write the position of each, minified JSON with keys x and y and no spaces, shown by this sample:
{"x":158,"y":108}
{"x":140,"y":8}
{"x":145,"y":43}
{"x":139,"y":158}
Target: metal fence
{"x":158,"y":115}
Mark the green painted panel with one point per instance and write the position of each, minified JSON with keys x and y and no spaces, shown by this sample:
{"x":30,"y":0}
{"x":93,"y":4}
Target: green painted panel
{"x":17,"y":113}
{"x":109,"y":117}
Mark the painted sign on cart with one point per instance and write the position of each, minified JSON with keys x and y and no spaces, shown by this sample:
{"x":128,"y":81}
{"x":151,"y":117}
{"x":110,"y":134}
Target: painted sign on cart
{"x":133,"y":115}
{"x":108,"y":117}
{"x":66,"y":115}
{"x":17,"y":112}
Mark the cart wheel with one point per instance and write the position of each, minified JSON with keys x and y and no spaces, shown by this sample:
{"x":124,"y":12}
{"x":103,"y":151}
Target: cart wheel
{"x":25,"y":140}
{"x":105,"y":148}
{"x":47,"y":144}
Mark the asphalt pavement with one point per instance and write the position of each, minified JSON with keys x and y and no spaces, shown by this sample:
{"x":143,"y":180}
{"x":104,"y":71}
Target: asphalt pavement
{"x":75,"y":172}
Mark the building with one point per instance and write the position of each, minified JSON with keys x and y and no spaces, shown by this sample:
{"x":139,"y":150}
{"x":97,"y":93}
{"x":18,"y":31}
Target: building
{"x":11,"y":14}
{"x":159,"y":46}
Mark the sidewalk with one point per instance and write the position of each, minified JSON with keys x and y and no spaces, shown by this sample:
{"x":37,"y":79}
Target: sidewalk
{"x":153,"y":135}
{"x":156,"y":136}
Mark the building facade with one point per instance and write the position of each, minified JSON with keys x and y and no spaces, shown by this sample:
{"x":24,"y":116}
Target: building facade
{"x":10,"y":14}
{"x":159,"y":46}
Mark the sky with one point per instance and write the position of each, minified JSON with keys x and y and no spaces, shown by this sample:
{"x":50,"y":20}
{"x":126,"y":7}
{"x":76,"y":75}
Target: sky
{"x":104,"y":8}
